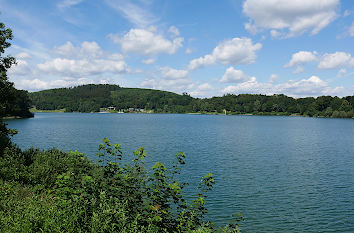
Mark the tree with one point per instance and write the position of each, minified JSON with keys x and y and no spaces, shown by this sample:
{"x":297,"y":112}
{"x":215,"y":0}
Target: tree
{"x":5,"y":64}
{"x":5,"y":86}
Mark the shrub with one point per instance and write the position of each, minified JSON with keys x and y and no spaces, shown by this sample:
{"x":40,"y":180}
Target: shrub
{"x":53,"y":191}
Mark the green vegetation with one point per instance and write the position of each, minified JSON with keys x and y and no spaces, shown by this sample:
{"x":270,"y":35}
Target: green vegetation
{"x":90,"y":98}
{"x":57,"y":110}
{"x":53,"y":191}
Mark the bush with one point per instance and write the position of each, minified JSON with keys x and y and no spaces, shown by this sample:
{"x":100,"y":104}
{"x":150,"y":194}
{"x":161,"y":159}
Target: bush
{"x":54,"y":191}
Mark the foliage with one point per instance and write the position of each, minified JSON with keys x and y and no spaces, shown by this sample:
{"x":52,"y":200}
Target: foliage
{"x":53,"y":191}
{"x":90,"y":98}
{"x":13,"y":102}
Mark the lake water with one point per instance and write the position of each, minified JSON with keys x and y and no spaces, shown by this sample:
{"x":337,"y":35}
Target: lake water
{"x":285,"y":174}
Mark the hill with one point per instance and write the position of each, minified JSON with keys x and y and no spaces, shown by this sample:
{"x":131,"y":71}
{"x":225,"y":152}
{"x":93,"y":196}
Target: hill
{"x":92,"y":97}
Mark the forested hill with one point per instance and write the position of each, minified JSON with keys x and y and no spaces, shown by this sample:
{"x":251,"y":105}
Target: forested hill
{"x":92,"y":97}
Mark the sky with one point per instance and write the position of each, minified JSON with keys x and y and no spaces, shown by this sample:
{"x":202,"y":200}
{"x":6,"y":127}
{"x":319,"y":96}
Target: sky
{"x":203,"y":47}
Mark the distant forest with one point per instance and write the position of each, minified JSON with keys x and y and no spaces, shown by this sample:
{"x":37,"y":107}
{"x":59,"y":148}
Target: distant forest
{"x":92,"y":97}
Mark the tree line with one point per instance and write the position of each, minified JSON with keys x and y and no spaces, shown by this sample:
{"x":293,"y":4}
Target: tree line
{"x":92,"y":97}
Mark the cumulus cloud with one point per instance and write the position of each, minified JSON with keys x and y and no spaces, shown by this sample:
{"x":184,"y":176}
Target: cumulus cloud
{"x":234,"y":76}
{"x":205,"y":87}
{"x":313,"y":86}
{"x":38,"y":84}
{"x":169,"y":79}
{"x":202,"y":90}
{"x":301,"y":57}
{"x":335,"y":60}
{"x":85,"y":50}
{"x":170,"y":73}
{"x":21,"y":68}
{"x":147,"y":42}
{"x":62,"y":66}
{"x":231,"y":52}
{"x":289,"y":18}
{"x":273,"y":78}
{"x":175,"y":85}
{"x":83,"y":60}
{"x":148,"y":61}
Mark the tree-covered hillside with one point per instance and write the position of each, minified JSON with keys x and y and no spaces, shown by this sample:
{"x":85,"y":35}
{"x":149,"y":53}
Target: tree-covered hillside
{"x":90,"y":98}
{"x":87,"y":98}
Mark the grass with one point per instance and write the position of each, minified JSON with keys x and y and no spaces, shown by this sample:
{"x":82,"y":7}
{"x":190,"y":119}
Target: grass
{"x":37,"y":110}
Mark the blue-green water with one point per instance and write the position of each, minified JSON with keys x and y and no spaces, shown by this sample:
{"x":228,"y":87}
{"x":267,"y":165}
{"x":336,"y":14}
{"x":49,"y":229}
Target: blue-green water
{"x":285,"y":174}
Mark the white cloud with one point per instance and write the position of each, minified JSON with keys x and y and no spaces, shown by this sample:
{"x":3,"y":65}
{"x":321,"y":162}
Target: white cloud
{"x":312,"y":86}
{"x":34,"y":84}
{"x":147,"y":42}
{"x":231,"y":52}
{"x":175,"y":85}
{"x":86,"y":59}
{"x":85,"y":50}
{"x":289,"y":18}
{"x":250,"y":87}
{"x":170,"y":73}
{"x":188,"y":51}
{"x":23,"y":55}
{"x":169,"y":79}
{"x":202,"y":90}
{"x":174,"y":31}
{"x":137,"y":15}
{"x":37,"y":84}
{"x":148,"y":61}
{"x":205,"y":87}
{"x":234,"y":76}
{"x":335,"y":60}
{"x":21,"y":68}
{"x":301,"y":57}
{"x":82,"y":67}
{"x":273,"y":78}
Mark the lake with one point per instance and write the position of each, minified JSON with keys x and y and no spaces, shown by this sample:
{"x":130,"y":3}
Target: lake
{"x":285,"y":174}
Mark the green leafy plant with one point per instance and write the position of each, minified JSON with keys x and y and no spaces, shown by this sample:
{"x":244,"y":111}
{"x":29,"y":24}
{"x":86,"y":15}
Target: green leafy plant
{"x":53,"y":191}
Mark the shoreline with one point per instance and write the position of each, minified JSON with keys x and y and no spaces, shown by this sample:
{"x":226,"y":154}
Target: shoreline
{"x":187,"y":113}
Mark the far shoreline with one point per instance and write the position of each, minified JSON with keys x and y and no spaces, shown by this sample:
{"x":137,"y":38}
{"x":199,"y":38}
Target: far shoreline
{"x":187,"y":113}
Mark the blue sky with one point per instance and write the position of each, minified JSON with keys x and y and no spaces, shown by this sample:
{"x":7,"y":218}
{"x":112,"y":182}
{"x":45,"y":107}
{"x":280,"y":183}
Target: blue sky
{"x":205,"y":48}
